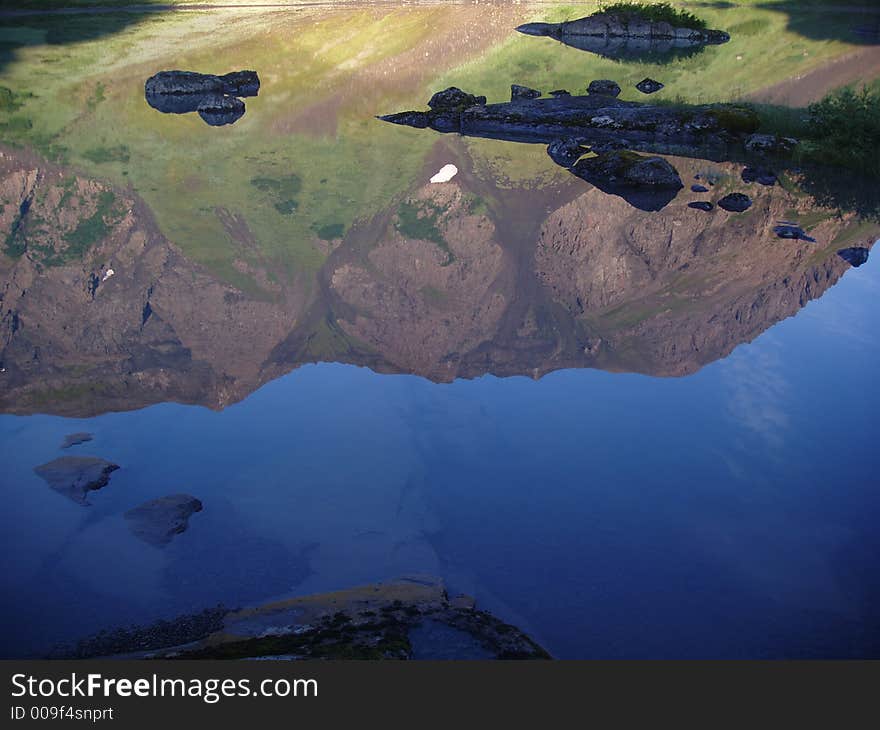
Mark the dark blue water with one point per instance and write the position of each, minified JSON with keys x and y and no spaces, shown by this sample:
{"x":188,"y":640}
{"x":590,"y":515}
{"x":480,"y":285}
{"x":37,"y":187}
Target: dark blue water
{"x":731,"y":513}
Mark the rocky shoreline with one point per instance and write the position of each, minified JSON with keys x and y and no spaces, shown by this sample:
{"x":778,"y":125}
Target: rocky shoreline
{"x":412,"y":617}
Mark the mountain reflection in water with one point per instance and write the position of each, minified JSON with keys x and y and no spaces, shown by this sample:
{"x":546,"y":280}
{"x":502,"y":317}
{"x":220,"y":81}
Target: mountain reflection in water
{"x":441,"y":284}
{"x":554,"y":406}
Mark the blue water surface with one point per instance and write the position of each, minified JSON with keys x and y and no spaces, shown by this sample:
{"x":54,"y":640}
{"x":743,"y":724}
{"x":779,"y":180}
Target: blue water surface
{"x":731,"y":513}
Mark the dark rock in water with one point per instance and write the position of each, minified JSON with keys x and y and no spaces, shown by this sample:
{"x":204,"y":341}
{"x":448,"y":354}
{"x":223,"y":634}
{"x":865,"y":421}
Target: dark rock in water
{"x":606,"y":87}
{"x":159,"y":520}
{"x":76,"y":476}
{"x":237,"y":83}
{"x":518,"y":92}
{"x":215,"y":98}
{"x":735,"y":202}
{"x":854,"y":256}
{"x":565,"y":152}
{"x":626,"y":35}
{"x":419,"y":120}
{"x":787,"y":230}
{"x":454,"y":98}
{"x":648,"y":183}
{"x":701,"y":205}
{"x":559,"y":92}
{"x":759,"y":175}
{"x":770,"y":144}
{"x":75,"y":439}
{"x":699,"y":189}
{"x":221,"y":110}
{"x":649,"y":86}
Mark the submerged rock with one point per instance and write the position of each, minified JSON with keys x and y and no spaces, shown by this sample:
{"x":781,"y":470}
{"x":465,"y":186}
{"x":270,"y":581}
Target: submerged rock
{"x":606,"y":87}
{"x":75,"y":439}
{"x":760,"y":175}
{"x":76,"y":476}
{"x":735,"y":203}
{"x":854,"y":255}
{"x":156,"y":522}
{"x":409,"y":618}
{"x":523,"y":92}
{"x":649,"y":86}
{"x":787,"y":230}
{"x":701,"y":205}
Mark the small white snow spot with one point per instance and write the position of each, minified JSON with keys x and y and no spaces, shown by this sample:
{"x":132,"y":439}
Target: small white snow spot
{"x":107,"y":274}
{"x":447,"y":172}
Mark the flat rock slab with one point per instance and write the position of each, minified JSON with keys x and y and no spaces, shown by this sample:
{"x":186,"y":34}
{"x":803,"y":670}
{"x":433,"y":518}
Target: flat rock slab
{"x":76,"y":476}
{"x":75,"y":439}
{"x":157,"y":522}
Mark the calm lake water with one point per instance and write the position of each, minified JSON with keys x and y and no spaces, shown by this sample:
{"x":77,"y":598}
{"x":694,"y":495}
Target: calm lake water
{"x":631,"y":433}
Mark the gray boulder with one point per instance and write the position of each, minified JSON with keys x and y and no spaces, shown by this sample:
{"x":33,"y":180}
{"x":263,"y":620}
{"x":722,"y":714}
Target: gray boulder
{"x":605,"y":87}
{"x":518,"y":92}
{"x":454,"y":98}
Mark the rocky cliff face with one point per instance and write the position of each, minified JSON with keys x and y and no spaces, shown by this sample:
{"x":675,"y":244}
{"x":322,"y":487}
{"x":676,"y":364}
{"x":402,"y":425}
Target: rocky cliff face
{"x":669,"y":292}
{"x":98,"y":311}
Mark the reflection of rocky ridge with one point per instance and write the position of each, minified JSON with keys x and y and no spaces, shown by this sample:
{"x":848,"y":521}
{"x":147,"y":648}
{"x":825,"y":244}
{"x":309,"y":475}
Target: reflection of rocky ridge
{"x":99,"y":312}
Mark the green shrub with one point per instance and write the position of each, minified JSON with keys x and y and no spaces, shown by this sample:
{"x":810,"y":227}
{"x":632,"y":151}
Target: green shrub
{"x":656,"y":13}
{"x":844,"y":129}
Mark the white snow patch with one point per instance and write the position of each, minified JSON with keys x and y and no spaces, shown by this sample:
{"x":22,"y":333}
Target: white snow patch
{"x":447,"y":172}
{"x":107,"y":275}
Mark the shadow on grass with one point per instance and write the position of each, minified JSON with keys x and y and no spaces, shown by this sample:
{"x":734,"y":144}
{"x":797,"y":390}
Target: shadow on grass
{"x":17,"y":33}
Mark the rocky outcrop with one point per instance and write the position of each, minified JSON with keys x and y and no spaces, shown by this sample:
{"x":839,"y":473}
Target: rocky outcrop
{"x":598,"y":118}
{"x":627,"y":36}
{"x":156,"y":522}
{"x":214,"y":98}
{"x":390,"y":620}
{"x":76,"y":476}
{"x":623,"y":25}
